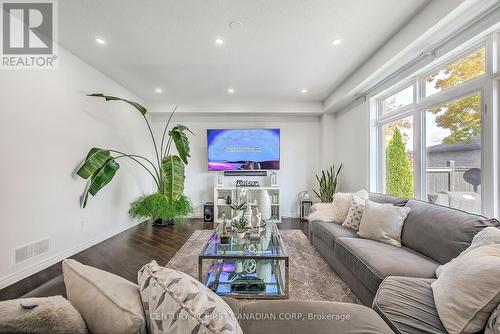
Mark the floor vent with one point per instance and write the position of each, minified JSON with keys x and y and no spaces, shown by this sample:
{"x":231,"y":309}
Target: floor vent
{"x":34,"y":249}
{"x":40,"y":247}
{"x":23,"y":253}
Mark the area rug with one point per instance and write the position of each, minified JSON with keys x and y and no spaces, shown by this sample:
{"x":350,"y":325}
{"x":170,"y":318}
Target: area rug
{"x":311,"y":278}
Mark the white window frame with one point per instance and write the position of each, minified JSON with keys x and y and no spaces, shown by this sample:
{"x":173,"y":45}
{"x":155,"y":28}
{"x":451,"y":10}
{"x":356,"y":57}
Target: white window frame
{"x":488,"y":85}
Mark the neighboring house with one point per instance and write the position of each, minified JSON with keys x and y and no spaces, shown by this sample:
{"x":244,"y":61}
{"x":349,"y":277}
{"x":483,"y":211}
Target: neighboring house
{"x":464,"y":155}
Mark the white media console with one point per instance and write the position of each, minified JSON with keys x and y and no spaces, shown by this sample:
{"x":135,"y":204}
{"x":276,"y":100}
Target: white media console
{"x":221,"y":207}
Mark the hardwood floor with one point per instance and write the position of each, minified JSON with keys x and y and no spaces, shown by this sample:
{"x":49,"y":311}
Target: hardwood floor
{"x":125,"y":253}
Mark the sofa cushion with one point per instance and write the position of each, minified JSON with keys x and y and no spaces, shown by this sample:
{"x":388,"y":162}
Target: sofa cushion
{"x":175,"y":302}
{"x":487,"y":236}
{"x":52,"y":287}
{"x":107,"y":303}
{"x":305,"y":316}
{"x":439,"y":232}
{"x":328,"y":232}
{"x":467,"y":291}
{"x":372,"y":261}
{"x":383,"y":198}
{"x":407,"y":305}
{"x":383,"y":222}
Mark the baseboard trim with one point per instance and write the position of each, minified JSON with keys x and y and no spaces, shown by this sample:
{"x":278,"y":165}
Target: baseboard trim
{"x":34,"y":268}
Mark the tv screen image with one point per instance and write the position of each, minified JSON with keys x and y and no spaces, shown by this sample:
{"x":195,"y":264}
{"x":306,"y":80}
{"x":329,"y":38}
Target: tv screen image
{"x":243,"y":149}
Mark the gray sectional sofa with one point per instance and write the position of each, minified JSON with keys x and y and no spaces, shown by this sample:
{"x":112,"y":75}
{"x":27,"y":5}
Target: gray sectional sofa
{"x":396,"y":281}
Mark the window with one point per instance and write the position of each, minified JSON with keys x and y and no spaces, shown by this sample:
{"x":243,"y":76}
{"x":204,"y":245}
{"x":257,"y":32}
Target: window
{"x":453,"y":153}
{"x":432,"y":148}
{"x":400,"y":99}
{"x":398,"y":161}
{"x":456,"y":73}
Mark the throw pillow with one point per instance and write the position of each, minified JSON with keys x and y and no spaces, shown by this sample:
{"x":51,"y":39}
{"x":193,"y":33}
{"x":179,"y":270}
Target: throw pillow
{"x":487,"y":236}
{"x":383,"y":222}
{"x":175,"y":302}
{"x":341,"y":202}
{"x":468,"y":290}
{"x":355,"y":213}
{"x":107,"y":303}
{"x":337,"y":210}
{"x":53,"y":315}
{"x":493,"y":323}
{"x":324,"y":215}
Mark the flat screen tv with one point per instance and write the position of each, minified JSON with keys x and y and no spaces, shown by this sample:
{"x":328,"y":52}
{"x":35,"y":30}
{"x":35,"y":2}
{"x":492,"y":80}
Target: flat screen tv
{"x":243,"y":149}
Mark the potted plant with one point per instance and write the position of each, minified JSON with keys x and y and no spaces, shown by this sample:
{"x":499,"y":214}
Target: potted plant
{"x":168,"y":203}
{"x":224,"y":236}
{"x":328,"y":184}
{"x":239,"y":227}
{"x":239,"y":208}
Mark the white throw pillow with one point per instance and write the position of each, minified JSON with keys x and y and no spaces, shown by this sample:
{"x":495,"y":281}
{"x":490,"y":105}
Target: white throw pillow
{"x":487,"y":236}
{"x":337,"y":210}
{"x":174,"y":302}
{"x":355,"y":213}
{"x":54,"y":315}
{"x":341,"y":202}
{"x":468,"y":290}
{"x":383,"y":222}
{"x":108,"y":303}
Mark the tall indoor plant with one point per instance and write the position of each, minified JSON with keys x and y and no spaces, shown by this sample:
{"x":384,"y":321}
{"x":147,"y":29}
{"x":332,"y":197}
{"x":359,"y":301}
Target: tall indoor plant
{"x":167,"y":170}
{"x":328,"y":184}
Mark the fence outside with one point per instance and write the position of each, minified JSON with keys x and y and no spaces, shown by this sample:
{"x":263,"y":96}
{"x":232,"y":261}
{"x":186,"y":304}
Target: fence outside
{"x":449,"y":178}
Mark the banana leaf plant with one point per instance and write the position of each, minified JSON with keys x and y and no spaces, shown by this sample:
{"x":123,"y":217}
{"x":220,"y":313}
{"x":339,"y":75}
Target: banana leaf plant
{"x":167,"y":170}
{"x":328,"y":184}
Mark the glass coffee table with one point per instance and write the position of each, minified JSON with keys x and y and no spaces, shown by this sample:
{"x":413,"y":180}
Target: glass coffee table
{"x":251,"y":266}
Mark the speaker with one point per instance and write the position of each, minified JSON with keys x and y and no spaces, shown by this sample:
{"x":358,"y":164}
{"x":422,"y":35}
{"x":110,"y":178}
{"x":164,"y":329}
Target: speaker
{"x":245,"y":173}
{"x":208,"y":212}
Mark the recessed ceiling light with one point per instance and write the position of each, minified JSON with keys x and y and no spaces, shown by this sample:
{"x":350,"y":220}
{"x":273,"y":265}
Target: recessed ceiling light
{"x":219,"y":41}
{"x":303,"y":91}
{"x":336,"y":41}
{"x":100,"y":40}
{"x":235,"y":25}
{"x":230,"y":91}
{"x":158,"y":90}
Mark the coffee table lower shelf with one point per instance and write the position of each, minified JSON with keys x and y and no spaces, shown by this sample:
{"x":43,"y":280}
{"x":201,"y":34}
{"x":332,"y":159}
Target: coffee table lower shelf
{"x":220,"y":277}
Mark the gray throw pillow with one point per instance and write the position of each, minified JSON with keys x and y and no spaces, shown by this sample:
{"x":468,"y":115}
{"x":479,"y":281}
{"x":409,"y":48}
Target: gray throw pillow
{"x":468,"y":290}
{"x":54,"y":315}
{"x":487,"y":236}
{"x":383,"y":222}
{"x":175,"y":302}
{"x":108,"y":303}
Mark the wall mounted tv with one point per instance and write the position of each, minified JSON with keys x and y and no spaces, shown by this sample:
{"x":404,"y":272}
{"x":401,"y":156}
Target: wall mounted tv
{"x":243,"y":149}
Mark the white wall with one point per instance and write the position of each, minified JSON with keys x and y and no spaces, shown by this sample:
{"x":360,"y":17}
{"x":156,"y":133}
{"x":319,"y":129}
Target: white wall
{"x":350,"y":146}
{"x":300,"y":154}
{"x":47,"y":127}
{"x":327,"y":140}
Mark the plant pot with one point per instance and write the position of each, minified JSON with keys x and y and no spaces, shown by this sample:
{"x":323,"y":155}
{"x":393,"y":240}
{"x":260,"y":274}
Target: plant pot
{"x":225,"y":239}
{"x":162,"y":222}
{"x":239,"y":234}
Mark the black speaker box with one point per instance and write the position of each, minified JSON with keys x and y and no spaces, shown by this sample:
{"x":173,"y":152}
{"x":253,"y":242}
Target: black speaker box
{"x":208,"y":212}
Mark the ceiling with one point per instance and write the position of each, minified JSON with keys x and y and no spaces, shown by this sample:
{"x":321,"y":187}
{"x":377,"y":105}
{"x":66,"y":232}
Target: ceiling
{"x":283,"y":46}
